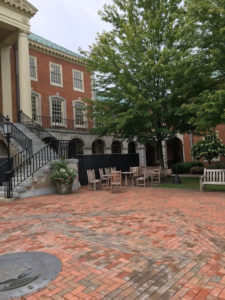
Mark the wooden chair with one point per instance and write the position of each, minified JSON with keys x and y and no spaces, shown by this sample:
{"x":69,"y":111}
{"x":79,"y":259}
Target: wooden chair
{"x":164,"y":174}
{"x":107,"y":171}
{"x":116,"y":180}
{"x":136,"y":174}
{"x":155,"y":174}
{"x":105,"y":179}
{"x":142,"y":181}
{"x":93,"y":183}
{"x":113,"y":169}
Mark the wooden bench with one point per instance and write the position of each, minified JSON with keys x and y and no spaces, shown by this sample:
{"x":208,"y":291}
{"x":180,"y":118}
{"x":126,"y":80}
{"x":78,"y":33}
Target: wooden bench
{"x":212,"y":176}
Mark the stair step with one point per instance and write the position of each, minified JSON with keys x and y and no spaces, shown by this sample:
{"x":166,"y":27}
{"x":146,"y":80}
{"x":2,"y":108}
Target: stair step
{"x":14,"y":194}
{"x":37,"y":145}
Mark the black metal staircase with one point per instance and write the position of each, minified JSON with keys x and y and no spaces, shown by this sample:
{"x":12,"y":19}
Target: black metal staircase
{"x":30,"y":163}
{"x":18,"y":136}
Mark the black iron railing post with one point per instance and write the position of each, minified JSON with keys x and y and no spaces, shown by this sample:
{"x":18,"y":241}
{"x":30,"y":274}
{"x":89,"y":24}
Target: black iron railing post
{"x":9,"y":184}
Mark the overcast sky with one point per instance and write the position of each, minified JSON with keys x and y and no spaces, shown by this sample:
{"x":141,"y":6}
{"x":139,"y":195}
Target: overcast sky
{"x":69,"y":23}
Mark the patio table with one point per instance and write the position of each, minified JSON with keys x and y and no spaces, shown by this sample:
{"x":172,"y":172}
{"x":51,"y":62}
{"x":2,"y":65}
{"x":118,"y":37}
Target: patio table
{"x":126,"y":174}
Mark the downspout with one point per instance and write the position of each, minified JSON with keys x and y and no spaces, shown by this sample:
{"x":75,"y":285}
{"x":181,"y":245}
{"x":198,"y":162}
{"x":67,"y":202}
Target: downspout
{"x":17,"y":82}
{"x":191,"y":143}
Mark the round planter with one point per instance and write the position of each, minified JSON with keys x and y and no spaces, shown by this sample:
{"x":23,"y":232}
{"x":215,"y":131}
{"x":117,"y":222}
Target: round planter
{"x":63,"y":188}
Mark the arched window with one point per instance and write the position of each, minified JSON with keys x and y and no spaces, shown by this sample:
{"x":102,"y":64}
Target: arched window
{"x":174,"y":151}
{"x":98,"y":147}
{"x":116,"y":147}
{"x":58,"y":111}
{"x":131,"y":147}
{"x":76,"y":147}
{"x":80,"y":114}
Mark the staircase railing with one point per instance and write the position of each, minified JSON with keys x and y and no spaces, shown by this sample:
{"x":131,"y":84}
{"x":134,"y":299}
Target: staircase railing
{"x":16,"y":160}
{"x":36,"y":128}
{"x":32,"y":164}
{"x":27,"y":166}
{"x":18,"y":136}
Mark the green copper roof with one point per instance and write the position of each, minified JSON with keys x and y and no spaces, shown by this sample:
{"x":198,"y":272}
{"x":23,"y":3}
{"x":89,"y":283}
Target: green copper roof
{"x":47,"y":43}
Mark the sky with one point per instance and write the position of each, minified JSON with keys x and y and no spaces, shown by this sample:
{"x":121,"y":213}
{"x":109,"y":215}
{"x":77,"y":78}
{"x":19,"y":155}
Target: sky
{"x":72,"y":24}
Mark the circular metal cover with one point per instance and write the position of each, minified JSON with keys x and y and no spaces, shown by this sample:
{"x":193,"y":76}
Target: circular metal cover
{"x":22,"y":273}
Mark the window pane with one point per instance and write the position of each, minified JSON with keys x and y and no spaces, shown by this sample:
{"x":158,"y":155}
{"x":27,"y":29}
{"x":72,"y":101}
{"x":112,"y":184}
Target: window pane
{"x":78,"y":80}
{"x":79,"y":114}
{"x":34,"y":105}
{"x":56,"y":76}
{"x":56,"y":111}
{"x":33,"y":67}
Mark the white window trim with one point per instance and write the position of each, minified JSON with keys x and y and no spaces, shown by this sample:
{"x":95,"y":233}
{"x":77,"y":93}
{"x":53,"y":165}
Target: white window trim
{"x":53,"y":83}
{"x":82,"y":76}
{"x":85,"y":115}
{"x":36,"y":78}
{"x":39,"y":105}
{"x":64,"y":123}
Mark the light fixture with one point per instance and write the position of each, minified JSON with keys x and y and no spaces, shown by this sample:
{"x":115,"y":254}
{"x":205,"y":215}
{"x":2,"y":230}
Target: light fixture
{"x":7,"y":127}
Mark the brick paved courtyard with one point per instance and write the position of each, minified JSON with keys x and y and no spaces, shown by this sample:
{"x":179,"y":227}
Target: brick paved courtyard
{"x":137,"y":244}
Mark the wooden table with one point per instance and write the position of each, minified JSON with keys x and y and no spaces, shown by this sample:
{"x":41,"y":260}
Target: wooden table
{"x":126,"y":174}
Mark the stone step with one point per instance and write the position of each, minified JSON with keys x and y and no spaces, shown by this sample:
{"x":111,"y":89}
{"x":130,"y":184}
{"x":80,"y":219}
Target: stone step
{"x":14,"y":195}
{"x":38,"y":144}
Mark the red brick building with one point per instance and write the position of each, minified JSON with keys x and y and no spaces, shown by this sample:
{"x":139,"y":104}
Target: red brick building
{"x":50,"y":83}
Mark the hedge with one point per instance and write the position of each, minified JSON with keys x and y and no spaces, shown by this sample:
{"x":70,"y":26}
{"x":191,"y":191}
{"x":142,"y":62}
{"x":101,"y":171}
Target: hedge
{"x":184,"y":167}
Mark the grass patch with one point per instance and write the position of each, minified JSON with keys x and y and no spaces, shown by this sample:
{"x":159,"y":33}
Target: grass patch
{"x":190,"y":183}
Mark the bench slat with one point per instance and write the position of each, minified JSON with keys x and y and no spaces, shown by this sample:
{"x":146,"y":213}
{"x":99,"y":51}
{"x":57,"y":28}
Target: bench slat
{"x":212,"y":176}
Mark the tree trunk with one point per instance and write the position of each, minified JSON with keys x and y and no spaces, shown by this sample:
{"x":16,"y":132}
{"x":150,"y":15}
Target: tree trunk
{"x":160,"y":153}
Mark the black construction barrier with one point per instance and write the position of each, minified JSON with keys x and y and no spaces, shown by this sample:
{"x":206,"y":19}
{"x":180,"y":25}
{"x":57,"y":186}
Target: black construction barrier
{"x":95,"y":161}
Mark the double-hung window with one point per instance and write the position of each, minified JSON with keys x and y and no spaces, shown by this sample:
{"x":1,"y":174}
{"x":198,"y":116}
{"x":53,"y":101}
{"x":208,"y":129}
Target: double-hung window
{"x":56,"y":74}
{"x":80,"y":114}
{"x":78,"y":81}
{"x":57,"y":112}
{"x":35,"y":107}
{"x":33,"y":68}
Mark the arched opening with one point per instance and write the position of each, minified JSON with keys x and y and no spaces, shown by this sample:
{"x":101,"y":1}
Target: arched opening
{"x":174,"y":151}
{"x":75,"y":147}
{"x":116,"y":147}
{"x":3,"y":149}
{"x":131,"y":147}
{"x":151,"y":154}
{"x":98,"y":147}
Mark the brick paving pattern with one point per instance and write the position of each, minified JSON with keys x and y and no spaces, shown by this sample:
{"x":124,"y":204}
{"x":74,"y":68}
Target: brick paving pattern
{"x":137,"y":244}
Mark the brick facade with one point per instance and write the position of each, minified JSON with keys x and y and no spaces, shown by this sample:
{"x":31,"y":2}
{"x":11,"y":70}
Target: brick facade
{"x":46,"y":89}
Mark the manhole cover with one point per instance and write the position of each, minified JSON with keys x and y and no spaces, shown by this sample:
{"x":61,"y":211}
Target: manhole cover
{"x":22,"y":273}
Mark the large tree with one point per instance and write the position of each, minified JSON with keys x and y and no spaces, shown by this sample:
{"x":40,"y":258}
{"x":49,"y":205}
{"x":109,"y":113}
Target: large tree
{"x":146,"y":69}
{"x":206,"y":22}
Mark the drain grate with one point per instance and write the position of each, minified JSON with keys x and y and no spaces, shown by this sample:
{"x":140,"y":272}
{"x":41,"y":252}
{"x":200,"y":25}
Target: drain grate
{"x":22,"y":273}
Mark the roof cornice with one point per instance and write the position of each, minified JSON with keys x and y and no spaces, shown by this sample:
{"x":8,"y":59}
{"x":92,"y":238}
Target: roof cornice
{"x":55,"y":52}
{"x":22,"y":5}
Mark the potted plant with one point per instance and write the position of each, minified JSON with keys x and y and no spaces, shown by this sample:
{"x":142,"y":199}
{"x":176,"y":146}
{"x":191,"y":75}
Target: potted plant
{"x":63,"y":177}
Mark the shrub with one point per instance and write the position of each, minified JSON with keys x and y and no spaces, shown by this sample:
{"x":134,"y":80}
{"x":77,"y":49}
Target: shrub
{"x":184,"y":168}
{"x":219,"y":165}
{"x":197,"y":170}
{"x":208,"y":148}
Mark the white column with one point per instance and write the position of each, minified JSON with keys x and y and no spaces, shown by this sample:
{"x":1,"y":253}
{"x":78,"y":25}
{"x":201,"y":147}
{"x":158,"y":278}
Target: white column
{"x":107,"y":151}
{"x":87,"y":151}
{"x":124,"y":150}
{"x":6,"y":82}
{"x":24,"y":73}
{"x":165,"y":157}
{"x":142,"y":156}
